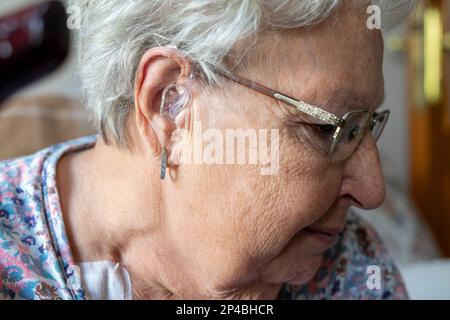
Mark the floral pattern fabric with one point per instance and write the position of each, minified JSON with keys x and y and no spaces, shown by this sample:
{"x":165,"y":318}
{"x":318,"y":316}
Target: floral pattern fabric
{"x":36,"y":261}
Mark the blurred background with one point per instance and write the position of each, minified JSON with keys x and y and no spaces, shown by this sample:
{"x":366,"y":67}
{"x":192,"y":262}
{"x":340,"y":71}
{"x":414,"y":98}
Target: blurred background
{"x":41,"y":104}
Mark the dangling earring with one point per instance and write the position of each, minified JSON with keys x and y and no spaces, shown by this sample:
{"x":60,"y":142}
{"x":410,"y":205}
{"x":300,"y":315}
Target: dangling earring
{"x":162,"y":174}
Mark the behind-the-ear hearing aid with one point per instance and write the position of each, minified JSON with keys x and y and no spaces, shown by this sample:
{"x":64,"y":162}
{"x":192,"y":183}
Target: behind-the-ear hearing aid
{"x":175,"y":98}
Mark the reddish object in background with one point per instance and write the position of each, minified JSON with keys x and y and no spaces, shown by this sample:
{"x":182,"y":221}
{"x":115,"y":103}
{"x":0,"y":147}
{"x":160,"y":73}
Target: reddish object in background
{"x":33,"y":43}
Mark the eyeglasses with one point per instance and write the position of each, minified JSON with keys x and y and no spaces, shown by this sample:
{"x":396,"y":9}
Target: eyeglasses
{"x":336,"y":137}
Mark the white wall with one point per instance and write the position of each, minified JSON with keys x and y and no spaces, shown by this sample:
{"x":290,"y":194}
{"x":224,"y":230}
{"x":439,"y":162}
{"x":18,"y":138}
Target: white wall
{"x":394,"y":141}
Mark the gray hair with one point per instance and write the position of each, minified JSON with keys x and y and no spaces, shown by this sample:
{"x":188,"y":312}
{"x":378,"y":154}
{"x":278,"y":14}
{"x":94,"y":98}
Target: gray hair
{"x":115,"y":34}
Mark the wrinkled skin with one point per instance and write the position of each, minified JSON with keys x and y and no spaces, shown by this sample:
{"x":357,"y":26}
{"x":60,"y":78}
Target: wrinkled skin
{"x":226,"y":231}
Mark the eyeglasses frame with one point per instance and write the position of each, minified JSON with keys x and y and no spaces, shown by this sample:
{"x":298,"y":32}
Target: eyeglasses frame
{"x":311,"y":110}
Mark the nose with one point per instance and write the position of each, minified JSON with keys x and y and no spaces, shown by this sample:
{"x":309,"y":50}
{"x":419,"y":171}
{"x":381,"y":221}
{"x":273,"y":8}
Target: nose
{"x":363,"y":175}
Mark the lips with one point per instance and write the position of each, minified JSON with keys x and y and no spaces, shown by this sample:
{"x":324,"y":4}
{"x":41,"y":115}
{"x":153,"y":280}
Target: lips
{"x":331,"y":232}
{"x":327,"y":236}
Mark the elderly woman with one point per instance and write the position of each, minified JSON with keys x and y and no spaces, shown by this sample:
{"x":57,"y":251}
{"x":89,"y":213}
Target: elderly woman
{"x":157,"y":206}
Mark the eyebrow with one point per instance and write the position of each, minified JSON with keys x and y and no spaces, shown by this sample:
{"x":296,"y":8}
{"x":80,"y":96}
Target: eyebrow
{"x":342,"y":101}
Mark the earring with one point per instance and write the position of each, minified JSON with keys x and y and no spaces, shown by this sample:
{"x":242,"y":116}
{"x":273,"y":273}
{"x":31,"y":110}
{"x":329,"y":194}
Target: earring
{"x":162,"y":174}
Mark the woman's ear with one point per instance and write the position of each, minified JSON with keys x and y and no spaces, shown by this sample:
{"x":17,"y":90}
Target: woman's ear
{"x":162,"y":91}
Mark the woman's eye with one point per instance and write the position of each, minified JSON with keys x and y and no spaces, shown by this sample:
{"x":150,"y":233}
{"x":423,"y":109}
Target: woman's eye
{"x":314,"y":132}
{"x":324,"y":130}
{"x":318,"y":132}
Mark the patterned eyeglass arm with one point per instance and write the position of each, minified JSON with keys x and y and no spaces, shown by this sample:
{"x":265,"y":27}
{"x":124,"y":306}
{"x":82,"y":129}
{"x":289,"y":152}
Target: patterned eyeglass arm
{"x":301,"y":106}
{"x":311,"y":110}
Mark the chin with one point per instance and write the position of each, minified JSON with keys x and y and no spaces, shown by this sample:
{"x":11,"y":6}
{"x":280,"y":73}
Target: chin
{"x":306,"y":272}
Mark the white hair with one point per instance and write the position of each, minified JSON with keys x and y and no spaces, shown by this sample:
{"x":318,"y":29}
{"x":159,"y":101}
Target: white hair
{"x":116,"y":33}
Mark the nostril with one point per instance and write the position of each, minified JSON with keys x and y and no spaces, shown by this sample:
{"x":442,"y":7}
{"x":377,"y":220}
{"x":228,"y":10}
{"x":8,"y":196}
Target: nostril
{"x":352,"y":200}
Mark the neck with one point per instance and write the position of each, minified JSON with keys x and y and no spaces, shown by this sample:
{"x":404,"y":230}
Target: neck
{"x":107,"y":217}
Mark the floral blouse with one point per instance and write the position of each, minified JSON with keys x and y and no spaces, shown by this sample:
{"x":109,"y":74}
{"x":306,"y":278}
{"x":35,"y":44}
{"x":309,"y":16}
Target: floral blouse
{"x":36,"y":260}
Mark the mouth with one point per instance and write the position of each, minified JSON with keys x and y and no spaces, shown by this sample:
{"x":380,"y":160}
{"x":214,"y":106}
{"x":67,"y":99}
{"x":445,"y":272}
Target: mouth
{"x":331,"y":232}
{"x":328,"y":236}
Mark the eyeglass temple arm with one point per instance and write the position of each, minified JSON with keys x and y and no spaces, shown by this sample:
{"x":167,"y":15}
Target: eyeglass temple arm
{"x":302,"y":106}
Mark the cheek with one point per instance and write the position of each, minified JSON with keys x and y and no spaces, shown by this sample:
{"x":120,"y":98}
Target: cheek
{"x":277,"y":207}
{"x":311,"y":182}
